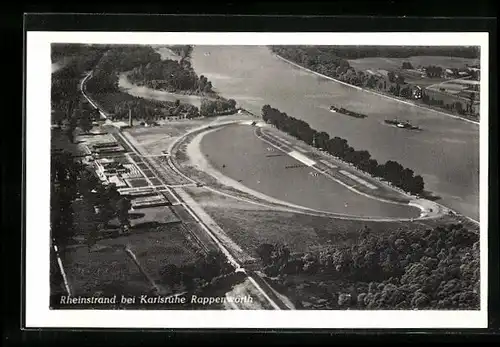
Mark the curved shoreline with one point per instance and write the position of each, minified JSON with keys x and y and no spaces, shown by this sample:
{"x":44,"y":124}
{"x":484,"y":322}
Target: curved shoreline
{"x":198,"y":160}
{"x":374,"y":92}
{"x":89,"y":75}
{"x":159,"y":95}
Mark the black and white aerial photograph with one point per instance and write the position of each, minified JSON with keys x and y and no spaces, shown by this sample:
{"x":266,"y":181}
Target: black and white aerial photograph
{"x":265,"y":177}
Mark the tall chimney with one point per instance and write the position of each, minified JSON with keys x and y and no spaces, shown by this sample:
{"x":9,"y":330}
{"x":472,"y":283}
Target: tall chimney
{"x":130,"y":117}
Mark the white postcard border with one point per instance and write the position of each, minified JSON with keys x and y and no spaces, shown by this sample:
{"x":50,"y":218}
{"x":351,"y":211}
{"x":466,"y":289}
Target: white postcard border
{"x":37,"y":237}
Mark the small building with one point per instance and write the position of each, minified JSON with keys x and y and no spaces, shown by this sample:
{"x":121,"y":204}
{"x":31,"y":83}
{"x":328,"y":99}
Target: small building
{"x":109,"y":167}
{"x":109,"y":150}
{"x":417,"y":92}
{"x":117,"y":181}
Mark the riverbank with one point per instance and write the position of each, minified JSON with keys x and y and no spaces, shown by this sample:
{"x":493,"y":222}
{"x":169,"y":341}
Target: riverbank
{"x":160,"y":95}
{"x":394,"y":98}
{"x":381,"y":210}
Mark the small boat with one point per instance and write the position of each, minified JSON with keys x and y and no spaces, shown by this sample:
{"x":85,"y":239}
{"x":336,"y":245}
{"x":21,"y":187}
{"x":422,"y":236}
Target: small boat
{"x":402,"y":124}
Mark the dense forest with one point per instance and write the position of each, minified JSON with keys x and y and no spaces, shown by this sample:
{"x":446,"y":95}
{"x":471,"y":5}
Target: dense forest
{"x":71,"y":180}
{"x":437,"y":269}
{"x":171,"y":76}
{"x":145,"y":67}
{"x":103,"y":86}
{"x":60,"y":51}
{"x":147,"y":110}
{"x":65,"y":82}
{"x":205,"y":270}
{"x":391,"y":171}
{"x":219,"y":106}
{"x":119,"y":59}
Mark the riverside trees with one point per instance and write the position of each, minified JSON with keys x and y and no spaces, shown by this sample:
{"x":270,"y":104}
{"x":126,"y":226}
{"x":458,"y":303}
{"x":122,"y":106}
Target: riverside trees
{"x":170,"y":75}
{"x":434,"y":269}
{"x":210,"y":108}
{"x":391,"y":171}
{"x":333,"y":61}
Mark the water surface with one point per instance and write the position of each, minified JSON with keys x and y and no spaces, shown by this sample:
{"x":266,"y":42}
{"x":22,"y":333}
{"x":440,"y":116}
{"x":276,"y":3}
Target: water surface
{"x":445,"y":153}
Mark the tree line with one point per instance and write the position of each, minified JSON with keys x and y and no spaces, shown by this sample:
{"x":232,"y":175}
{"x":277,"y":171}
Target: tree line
{"x":219,"y":106}
{"x":119,"y":59}
{"x":170,"y":75}
{"x":435,"y":269}
{"x":391,"y":171}
{"x":65,"y":94}
{"x":71,"y":180}
{"x":59,"y":51}
{"x":69,"y":108}
{"x":145,"y":67}
{"x":204,"y":270}
{"x":358,"y":52}
{"x":332,"y":62}
{"x":184,"y":51}
{"x":148,"y":110}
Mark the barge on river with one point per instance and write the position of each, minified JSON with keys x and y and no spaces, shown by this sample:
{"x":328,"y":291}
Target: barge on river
{"x":342,"y":110}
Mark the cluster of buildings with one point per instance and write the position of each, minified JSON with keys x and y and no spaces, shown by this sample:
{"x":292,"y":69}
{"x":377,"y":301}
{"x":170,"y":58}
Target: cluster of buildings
{"x":100,"y":148}
{"x":110,"y":171}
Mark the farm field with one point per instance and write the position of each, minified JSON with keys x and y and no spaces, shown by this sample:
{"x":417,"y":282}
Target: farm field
{"x":395,"y":63}
{"x":154,"y":246}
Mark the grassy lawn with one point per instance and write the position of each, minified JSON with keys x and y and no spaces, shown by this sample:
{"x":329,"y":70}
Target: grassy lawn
{"x":157,"y":139}
{"x":137,"y":182}
{"x":155,"y":181}
{"x":250,"y":225}
{"x":108,"y":271}
{"x":154,"y":237}
{"x":107,"y":267}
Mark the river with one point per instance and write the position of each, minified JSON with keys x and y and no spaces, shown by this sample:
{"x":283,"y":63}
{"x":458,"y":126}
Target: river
{"x":445,"y":153}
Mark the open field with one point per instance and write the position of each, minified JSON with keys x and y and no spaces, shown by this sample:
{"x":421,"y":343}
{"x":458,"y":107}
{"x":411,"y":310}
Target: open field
{"x":108,"y":270}
{"x":107,"y":264}
{"x":249,"y":225}
{"x":157,"y":139}
{"x":137,"y":182}
{"x":396,"y":63}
